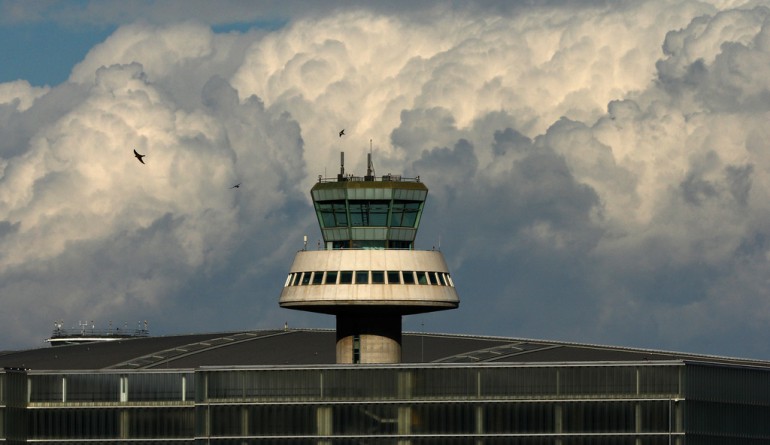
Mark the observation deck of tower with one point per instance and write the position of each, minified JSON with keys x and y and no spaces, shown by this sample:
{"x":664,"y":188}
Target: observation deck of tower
{"x":367,"y":272}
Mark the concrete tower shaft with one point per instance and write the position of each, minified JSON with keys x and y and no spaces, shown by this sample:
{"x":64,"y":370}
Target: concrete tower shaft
{"x":367,"y":272}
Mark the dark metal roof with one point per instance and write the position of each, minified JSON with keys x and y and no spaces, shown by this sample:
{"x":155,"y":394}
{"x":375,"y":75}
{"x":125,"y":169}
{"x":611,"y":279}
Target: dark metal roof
{"x":317,"y":347}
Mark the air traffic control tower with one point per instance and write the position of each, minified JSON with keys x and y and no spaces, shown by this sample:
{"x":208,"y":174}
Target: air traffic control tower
{"x":368,"y":273}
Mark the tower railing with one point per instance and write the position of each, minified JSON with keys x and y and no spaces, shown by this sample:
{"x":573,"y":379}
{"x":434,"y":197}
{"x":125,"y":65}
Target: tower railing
{"x":353,"y":178}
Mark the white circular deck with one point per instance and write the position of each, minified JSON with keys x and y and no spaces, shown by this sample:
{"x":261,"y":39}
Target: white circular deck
{"x":317,"y":282}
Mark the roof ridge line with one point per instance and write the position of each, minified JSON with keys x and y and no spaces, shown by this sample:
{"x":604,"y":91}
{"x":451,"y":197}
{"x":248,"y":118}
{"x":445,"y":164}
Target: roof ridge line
{"x":186,"y":353}
{"x":683,"y":355}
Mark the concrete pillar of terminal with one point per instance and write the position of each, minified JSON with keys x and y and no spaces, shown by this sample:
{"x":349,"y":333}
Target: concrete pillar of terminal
{"x":244,"y":421}
{"x":324,"y":424}
{"x":123,"y":432}
{"x":124,"y":414}
{"x":479,"y":410}
{"x":638,"y":422}
{"x":479,"y":424}
{"x":405,"y":414}
{"x":677,"y":425}
{"x":368,"y":338}
{"x":558,"y":422}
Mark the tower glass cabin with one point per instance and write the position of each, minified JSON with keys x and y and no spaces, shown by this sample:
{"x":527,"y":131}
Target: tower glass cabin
{"x":368,"y":273}
{"x":365,"y":213}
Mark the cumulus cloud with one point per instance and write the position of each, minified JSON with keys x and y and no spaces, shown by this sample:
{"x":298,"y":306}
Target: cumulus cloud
{"x":596,"y":172}
{"x":20,"y":94}
{"x":81,"y":217}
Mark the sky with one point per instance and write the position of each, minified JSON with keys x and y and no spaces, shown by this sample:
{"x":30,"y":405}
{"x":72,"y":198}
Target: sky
{"x":598,"y":171}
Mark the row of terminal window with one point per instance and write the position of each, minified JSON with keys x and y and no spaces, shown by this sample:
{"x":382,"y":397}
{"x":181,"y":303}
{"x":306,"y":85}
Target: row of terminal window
{"x":369,"y":277}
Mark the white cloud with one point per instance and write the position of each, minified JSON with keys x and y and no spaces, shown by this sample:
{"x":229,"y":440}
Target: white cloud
{"x":597,"y":173}
{"x":20,"y":94}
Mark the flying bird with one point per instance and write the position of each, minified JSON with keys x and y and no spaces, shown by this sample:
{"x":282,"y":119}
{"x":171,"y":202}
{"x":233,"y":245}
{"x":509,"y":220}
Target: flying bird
{"x":342,"y":132}
{"x":138,"y":156}
{"x":238,"y":185}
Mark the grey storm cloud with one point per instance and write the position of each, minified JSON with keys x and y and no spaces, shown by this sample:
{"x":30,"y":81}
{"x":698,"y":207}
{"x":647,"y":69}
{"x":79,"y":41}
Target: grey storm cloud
{"x":597,"y":172}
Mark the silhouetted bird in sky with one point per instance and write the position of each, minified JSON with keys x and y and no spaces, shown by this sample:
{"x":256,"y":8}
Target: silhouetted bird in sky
{"x":238,"y":185}
{"x":342,"y":132}
{"x":138,"y":156}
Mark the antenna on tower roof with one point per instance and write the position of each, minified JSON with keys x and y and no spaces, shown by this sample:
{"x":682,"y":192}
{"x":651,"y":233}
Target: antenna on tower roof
{"x":341,"y":176}
{"x":369,"y":165}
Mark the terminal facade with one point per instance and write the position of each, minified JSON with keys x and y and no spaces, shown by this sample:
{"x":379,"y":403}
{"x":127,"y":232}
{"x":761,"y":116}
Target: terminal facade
{"x":469,"y":390}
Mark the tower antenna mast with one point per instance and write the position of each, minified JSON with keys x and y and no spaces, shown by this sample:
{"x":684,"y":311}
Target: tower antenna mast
{"x":369,"y":165}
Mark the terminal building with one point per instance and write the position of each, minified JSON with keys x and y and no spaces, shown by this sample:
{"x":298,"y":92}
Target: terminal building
{"x":367,"y":382}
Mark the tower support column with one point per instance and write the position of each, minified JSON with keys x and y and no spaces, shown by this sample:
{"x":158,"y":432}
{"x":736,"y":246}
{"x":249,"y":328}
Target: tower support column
{"x":366,"y":338}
